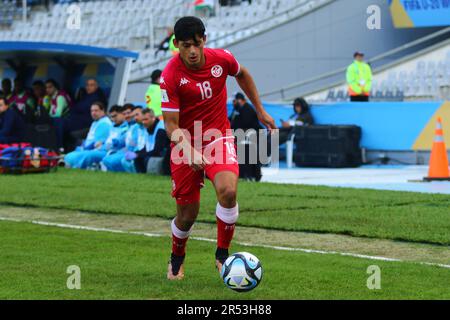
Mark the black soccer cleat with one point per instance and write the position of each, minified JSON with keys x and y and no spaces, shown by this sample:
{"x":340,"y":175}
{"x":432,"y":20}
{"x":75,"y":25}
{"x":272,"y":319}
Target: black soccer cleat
{"x":221,"y":256}
{"x":175,"y":269}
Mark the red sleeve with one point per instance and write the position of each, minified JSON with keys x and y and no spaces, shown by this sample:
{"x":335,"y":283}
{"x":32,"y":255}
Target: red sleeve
{"x":169,"y":95}
{"x":233,"y":65}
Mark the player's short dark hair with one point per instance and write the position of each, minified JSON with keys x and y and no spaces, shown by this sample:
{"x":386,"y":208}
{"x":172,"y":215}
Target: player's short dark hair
{"x":128,"y":106}
{"x":188,"y":28}
{"x":100,"y":105}
{"x":116,"y":108}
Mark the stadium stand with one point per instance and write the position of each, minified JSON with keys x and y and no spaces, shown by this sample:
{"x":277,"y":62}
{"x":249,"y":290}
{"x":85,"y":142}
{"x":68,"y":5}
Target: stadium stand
{"x":424,"y":76}
{"x":139,"y":24}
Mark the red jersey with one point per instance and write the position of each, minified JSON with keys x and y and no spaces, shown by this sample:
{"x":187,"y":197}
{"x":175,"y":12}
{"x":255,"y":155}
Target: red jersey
{"x":199,"y":95}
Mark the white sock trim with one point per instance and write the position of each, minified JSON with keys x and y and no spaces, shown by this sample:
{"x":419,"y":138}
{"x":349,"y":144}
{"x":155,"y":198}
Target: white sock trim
{"x":178,"y":233}
{"x":228,"y":216}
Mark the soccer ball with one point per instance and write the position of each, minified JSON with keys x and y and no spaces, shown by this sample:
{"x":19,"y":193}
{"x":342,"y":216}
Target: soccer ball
{"x":242,"y":272}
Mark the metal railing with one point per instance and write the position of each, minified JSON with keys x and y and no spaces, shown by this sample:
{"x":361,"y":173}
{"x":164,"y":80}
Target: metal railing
{"x":281,"y":91}
{"x":259,"y":26}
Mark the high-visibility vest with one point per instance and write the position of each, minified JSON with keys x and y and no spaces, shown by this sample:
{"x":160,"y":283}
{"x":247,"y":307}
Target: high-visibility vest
{"x":153,"y":99}
{"x":172,"y":47}
{"x":359,"y":79}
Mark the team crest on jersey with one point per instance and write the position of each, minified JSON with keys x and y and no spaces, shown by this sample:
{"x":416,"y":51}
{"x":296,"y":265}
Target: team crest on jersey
{"x":216,"y":71}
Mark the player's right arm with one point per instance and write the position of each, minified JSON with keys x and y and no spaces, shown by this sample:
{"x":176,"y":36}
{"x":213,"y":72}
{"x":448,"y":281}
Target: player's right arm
{"x":170,"y":106}
{"x":178,"y":137}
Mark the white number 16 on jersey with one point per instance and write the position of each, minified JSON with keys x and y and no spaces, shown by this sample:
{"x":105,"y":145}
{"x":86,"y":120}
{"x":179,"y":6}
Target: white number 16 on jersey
{"x":205,"y":90}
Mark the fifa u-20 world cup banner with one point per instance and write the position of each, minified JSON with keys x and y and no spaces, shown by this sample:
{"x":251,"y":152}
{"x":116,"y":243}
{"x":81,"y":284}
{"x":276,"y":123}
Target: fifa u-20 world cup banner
{"x":420,"y":13}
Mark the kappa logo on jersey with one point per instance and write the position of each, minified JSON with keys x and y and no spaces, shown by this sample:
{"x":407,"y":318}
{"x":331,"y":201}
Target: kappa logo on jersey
{"x":183,"y":81}
{"x":164,"y":96}
{"x":216,"y":71}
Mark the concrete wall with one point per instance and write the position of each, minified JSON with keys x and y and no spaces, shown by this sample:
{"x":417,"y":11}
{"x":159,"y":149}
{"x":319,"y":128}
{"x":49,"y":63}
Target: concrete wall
{"x":319,"y":42}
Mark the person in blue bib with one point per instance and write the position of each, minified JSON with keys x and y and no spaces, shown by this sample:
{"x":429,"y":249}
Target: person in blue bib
{"x":135,"y":140}
{"x":98,"y":133}
{"x":157,"y":142}
{"x":114,"y":143}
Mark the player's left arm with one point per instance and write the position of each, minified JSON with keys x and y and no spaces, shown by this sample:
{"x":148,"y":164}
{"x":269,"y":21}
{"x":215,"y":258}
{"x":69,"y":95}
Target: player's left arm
{"x":247,"y":84}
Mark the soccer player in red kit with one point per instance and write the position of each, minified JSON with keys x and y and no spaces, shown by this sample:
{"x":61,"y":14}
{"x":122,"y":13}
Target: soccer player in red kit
{"x":193,"y":92}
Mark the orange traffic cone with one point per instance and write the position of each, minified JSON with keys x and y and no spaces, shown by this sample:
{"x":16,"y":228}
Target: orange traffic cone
{"x":439,"y":161}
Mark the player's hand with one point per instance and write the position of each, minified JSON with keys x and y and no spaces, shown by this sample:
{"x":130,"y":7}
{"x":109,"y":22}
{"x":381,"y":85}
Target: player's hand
{"x":198,"y":161}
{"x":267,"y":120}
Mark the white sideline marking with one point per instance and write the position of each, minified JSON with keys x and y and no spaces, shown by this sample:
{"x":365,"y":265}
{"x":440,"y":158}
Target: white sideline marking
{"x":245,"y":244}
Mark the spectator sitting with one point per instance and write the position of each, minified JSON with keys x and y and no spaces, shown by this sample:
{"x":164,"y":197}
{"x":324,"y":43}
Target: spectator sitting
{"x":7,"y":90}
{"x":135,"y":140}
{"x":22,"y":101}
{"x":156,"y":144}
{"x":301,"y":117}
{"x":77,"y":123}
{"x":42,"y":103}
{"x":12,"y":126}
{"x":128,"y":109}
{"x":79,"y":114}
{"x":60,"y":101}
{"x":98,"y":133}
{"x":40,"y":94}
{"x":114,"y":142}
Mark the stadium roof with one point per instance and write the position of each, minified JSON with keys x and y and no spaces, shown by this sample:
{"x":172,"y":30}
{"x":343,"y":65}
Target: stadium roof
{"x":17,"y":54}
{"x":43,"y":51}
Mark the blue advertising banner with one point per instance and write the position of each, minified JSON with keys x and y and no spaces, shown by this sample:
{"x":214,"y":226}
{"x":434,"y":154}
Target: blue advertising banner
{"x":420,"y":13}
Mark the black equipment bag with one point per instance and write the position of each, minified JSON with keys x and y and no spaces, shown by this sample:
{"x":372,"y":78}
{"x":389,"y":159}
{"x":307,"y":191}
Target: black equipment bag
{"x":328,"y":146}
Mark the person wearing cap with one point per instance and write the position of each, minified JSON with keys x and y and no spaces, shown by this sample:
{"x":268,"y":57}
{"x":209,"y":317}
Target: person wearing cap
{"x":359,"y":79}
{"x":153,"y":94}
{"x":243,"y":115}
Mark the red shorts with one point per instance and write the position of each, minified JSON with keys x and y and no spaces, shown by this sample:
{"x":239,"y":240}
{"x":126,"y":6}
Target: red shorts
{"x":186,"y":183}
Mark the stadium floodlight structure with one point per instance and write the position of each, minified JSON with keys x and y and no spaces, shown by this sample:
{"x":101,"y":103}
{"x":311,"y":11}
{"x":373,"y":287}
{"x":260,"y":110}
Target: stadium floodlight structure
{"x":69,"y":64}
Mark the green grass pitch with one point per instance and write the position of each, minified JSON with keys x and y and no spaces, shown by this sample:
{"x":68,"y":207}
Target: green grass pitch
{"x":34,"y":258}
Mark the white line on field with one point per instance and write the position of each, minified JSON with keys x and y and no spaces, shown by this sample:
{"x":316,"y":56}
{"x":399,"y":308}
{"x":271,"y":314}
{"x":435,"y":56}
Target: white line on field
{"x":245,"y":244}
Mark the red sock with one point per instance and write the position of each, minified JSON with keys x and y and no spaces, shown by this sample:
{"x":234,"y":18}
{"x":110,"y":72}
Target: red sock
{"x":178,"y":246}
{"x":225,"y":234}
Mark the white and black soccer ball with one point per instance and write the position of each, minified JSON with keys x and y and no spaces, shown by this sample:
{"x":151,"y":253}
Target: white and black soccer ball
{"x":242,"y":272}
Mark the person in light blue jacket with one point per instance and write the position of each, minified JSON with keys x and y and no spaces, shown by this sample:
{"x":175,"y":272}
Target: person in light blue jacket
{"x":114,"y":143}
{"x":98,"y":133}
{"x":135,"y":139}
